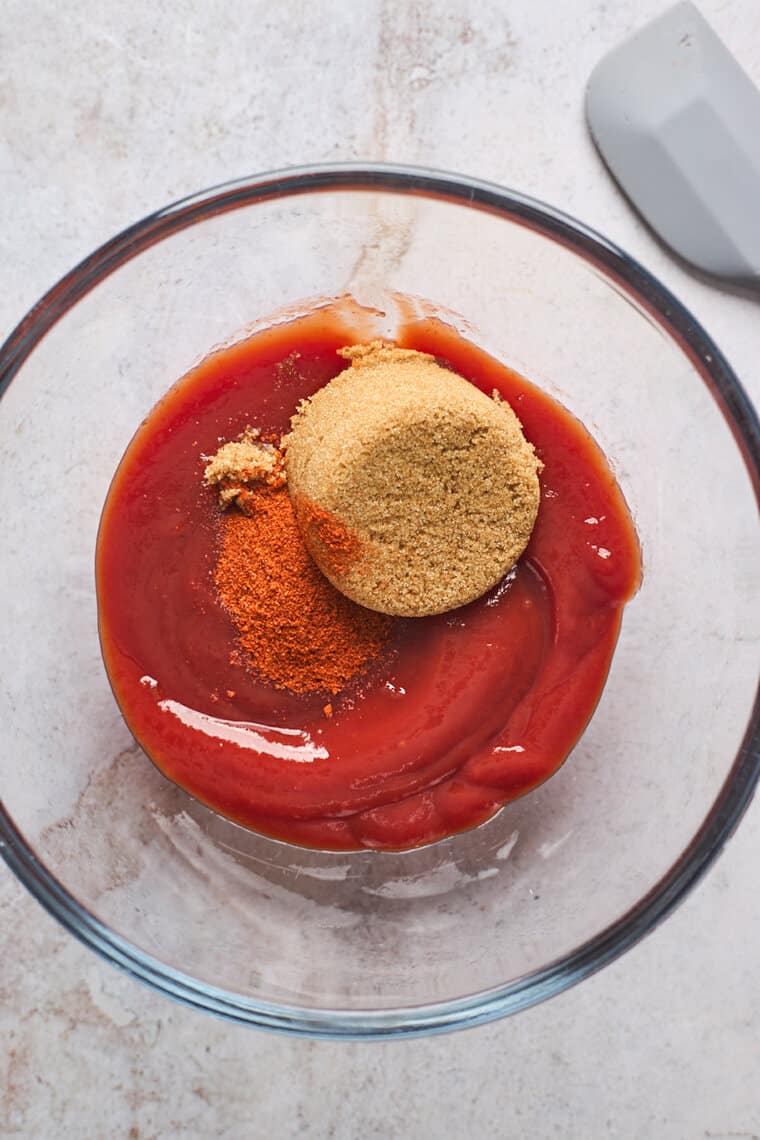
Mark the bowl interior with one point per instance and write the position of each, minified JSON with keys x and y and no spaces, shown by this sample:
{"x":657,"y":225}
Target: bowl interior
{"x":271,"y":923}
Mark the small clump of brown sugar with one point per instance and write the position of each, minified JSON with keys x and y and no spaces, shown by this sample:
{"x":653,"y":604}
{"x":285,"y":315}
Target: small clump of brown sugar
{"x":426,"y":486}
{"x":242,"y":464}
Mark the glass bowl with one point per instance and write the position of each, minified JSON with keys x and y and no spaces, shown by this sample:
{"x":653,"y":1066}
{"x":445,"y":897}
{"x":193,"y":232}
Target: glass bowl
{"x":559,"y":882}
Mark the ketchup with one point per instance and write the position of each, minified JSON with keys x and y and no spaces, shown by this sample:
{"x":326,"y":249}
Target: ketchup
{"x":465,"y":712}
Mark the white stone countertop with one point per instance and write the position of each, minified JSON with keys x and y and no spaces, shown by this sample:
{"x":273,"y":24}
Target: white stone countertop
{"x":108,"y":111}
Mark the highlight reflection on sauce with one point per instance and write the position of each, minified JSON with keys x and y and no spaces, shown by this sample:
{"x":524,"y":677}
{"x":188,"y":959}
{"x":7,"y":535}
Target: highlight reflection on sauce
{"x":279,"y":743}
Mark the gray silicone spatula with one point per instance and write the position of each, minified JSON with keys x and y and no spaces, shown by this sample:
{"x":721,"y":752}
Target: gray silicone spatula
{"x":678,"y":123}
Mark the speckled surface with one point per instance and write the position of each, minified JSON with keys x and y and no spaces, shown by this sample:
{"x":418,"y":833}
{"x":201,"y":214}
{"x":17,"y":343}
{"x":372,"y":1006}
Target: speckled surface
{"x":110,"y":110}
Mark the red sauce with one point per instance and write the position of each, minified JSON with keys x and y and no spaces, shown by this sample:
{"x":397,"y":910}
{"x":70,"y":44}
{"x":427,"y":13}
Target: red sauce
{"x":467,"y":711}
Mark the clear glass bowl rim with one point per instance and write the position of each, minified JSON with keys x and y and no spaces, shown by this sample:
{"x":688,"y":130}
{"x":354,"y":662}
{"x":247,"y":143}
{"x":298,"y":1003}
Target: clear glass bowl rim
{"x":659,"y":305}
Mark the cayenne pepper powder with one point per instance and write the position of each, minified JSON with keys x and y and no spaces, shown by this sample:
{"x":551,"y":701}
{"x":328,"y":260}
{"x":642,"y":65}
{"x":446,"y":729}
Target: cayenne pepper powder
{"x":338,"y":547}
{"x":295,"y":628}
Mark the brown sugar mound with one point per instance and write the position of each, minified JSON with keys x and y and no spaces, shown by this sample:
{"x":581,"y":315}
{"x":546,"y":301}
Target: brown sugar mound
{"x":429,"y":487}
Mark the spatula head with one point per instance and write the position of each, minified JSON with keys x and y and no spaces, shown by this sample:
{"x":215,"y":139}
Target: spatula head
{"x":678,"y":123}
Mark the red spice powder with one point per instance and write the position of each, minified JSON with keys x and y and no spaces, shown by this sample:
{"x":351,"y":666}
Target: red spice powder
{"x":296,"y":629}
{"x":338,"y":547}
